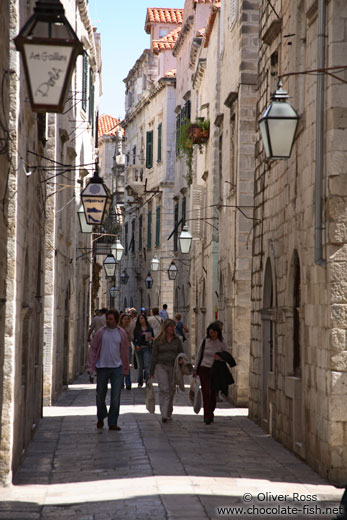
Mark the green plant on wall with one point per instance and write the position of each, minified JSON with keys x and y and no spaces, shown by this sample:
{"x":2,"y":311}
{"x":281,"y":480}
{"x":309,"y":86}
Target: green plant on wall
{"x":188,"y":135}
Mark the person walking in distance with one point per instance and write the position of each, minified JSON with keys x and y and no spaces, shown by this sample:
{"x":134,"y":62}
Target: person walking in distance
{"x":181,"y":328}
{"x":143,"y":336}
{"x":124,"y":323}
{"x":97,"y":323}
{"x":155,"y":321}
{"x":109,"y":355}
{"x":163,"y":313}
{"x":209,"y":346}
{"x":166,"y":348}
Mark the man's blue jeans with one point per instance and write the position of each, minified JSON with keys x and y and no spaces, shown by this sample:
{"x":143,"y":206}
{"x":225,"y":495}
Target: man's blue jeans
{"x":115,"y":376}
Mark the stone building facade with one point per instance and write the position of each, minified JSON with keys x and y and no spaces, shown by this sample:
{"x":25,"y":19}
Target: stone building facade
{"x":149,"y":126}
{"x":298,"y":375}
{"x":44,"y":302}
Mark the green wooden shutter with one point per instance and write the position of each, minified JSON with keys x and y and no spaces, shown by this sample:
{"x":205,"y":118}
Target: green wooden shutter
{"x":91,"y":99}
{"x":149,"y":149}
{"x":149,"y":229}
{"x":157,"y":226}
{"x":175,"y":227}
{"x":184,"y":205}
{"x":126,"y":238}
{"x":159,"y":142}
{"x":140,"y":232}
{"x":84,"y":81}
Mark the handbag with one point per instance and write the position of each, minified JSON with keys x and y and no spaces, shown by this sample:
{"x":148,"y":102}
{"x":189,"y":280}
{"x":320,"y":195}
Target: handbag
{"x":150,"y":398}
{"x":197,"y":396}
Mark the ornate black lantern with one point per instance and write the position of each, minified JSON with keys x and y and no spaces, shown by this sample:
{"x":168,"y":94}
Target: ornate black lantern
{"x":172,"y":271}
{"x":110,"y":266}
{"x":148,"y":281}
{"x":85,"y":228}
{"x":49,"y":48}
{"x":155,"y":263}
{"x":124,"y":277}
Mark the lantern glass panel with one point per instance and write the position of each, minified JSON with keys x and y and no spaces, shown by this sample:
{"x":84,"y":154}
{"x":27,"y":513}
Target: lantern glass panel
{"x":185,"y":240}
{"x":85,"y":228}
{"x":172,"y":271}
{"x":155,"y":264}
{"x":110,"y":265}
{"x":282,"y":133}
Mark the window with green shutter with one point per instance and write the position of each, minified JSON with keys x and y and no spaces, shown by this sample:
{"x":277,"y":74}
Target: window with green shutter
{"x":91,"y":99}
{"x":149,"y":229}
{"x":157,"y":226}
{"x":175,"y":237}
{"x":126,"y":238}
{"x":149,"y":149}
{"x":159,"y":142}
{"x":184,"y":205}
{"x":132,"y":242}
{"x":140,"y":232}
{"x":178,"y":130}
{"x":85,"y":81}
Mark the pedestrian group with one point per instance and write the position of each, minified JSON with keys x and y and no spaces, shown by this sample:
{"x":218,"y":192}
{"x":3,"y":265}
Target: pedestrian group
{"x":154,"y":345}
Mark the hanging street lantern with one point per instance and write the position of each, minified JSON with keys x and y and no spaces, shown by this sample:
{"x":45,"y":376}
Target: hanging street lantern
{"x":49,"y":48}
{"x":96,"y":199}
{"x":172,"y":271}
{"x":113,"y":291}
{"x":185,"y":240}
{"x":155,"y":263}
{"x":117,"y":250}
{"x":278,"y":126}
{"x":124,"y":277}
{"x":85,"y":228}
{"x":110,"y":265}
{"x":148,"y":281}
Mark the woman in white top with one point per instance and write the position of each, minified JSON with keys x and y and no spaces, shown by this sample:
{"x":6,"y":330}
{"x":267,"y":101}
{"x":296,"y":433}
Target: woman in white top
{"x":209,"y":346}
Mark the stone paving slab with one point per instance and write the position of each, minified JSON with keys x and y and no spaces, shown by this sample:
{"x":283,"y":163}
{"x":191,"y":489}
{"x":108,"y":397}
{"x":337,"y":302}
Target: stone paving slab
{"x":182,"y":470}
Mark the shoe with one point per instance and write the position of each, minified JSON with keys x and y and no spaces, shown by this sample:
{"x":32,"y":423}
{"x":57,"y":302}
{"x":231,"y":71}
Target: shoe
{"x":208,"y":421}
{"x":164,"y":419}
{"x":114,"y":427}
{"x":100,"y":424}
{"x":128,"y":387}
{"x":140,"y":385}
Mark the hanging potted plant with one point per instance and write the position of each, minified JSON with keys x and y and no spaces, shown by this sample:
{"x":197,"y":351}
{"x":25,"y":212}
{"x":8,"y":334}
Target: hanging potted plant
{"x":188,"y":135}
{"x":199,"y":131}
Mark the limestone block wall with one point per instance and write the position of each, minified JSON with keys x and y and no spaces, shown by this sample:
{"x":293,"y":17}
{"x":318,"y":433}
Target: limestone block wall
{"x":297,"y":370}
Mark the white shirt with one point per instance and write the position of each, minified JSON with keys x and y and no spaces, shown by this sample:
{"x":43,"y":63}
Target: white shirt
{"x":110,"y":349}
{"x":156,"y":323}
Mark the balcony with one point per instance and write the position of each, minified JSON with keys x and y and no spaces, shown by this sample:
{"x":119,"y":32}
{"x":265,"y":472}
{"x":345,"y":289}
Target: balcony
{"x":134,"y":180}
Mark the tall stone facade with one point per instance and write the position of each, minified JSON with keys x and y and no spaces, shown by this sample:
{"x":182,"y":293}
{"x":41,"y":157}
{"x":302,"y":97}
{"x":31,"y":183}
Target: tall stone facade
{"x":44,"y":288}
{"x":298,"y":374}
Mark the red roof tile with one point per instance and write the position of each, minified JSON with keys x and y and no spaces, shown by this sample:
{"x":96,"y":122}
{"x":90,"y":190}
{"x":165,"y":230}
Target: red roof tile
{"x":107,"y":125}
{"x":162,"y":15}
{"x":166,"y":42}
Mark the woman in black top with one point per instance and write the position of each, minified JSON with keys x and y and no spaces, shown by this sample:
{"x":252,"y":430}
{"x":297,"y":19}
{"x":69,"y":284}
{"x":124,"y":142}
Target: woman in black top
{"x":143,"y":337}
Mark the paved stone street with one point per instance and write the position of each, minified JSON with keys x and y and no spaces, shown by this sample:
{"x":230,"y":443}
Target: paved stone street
{"x":182,"y":470}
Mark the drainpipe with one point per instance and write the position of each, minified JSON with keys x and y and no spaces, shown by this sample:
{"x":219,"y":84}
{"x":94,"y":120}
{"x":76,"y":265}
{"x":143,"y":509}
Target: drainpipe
{"x":318,"y":253}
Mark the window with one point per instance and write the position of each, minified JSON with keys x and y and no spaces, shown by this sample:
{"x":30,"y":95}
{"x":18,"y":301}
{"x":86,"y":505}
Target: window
{"x":149,"y":149}
{"x":126,"y":238}
{"x":157,"y":226}
{"x":159,"y":142}
{"x":184,"y":206}
{"x":149,"y":229}
{"x":132,"y":242}
{"x":176,"y":228}
{"x":91,"y":99}
{"x":134,"y":155}
{"x":84,"y":81}
{"x":140,"y":231}
{"x":163,"y":31}
{"x":178,"y":127}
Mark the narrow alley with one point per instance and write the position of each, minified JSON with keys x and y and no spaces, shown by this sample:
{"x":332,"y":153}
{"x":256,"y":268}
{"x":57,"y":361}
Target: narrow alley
{"x":184,"y":469}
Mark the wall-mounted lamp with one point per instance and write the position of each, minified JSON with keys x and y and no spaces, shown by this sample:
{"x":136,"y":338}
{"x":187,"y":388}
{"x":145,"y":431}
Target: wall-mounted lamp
{"x":278,"y":126}
{"x":155,"y":263}
{"x":148,"y":281}
{"x":49,"y":48}
{"x":110,"y":265}
{"x":85,"y":228}
{"x":124,"y":277}
{"x":185,"y":240}
{"x":113,"y":291}
{"x":117,"y":250}
{"x":172,"y":271}
{"x":96,"y":199}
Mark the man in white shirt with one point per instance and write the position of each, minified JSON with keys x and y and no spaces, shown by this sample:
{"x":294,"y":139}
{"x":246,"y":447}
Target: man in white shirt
{"x":109,"y":355}
{"x":155,"y":321}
